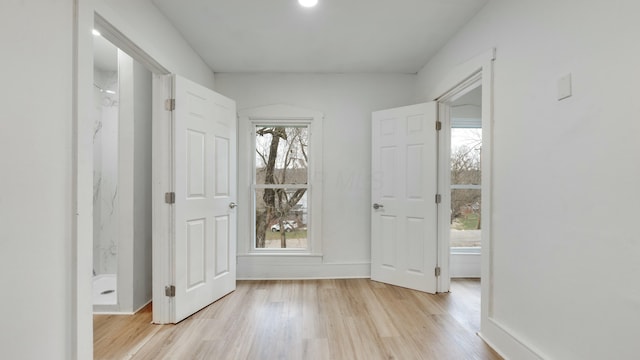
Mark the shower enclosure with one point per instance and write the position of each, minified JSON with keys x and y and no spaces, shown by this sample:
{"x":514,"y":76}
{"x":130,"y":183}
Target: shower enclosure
{"x":122,"y":181}
{"x":105,"y":179}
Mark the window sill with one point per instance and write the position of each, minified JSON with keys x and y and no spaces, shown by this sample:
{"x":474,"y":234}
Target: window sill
{"x":466,"y":251}
{"x":280,"y":253}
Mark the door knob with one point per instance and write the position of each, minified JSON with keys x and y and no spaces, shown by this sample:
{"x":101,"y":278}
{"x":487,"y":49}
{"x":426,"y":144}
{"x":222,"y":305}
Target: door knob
{"x":377,"y":206}
{"x":232,"y":205}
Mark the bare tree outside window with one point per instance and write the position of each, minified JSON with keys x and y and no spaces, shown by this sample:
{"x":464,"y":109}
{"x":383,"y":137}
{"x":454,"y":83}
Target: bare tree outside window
{"x":466,"y":151}
{"x":281,"y":187}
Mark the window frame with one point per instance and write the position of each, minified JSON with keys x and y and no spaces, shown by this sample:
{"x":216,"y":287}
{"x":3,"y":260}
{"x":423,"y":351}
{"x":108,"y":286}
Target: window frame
{"x":462,"y":123}
{"x":308,"y":186}
{"x":280,"y":115}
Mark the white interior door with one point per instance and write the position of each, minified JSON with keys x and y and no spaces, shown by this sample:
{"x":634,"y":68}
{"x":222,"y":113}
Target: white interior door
{"x":204,"y":226}
{"x":404,"y":187}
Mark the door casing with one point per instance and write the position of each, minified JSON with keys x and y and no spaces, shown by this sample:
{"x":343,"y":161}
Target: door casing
{"x":478,"y":69}
{"x":444,"y":176}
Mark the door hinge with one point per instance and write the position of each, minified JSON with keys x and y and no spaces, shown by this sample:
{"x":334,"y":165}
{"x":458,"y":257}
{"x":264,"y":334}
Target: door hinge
{"x":170,"y":291}
{"x":170,"y":104}
{"x":438,"y":125}
{"x":438,"y":198}
{"x":170,"y":197}
{"x":437,"y":271}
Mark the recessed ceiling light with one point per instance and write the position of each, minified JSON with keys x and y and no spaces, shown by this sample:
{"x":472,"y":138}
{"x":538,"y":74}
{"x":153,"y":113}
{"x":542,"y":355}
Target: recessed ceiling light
{"x":95,"y":32}
{"x":308,"y":3}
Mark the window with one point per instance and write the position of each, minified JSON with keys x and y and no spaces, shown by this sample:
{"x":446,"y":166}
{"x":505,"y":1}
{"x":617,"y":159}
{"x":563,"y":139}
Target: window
{"x":280,"y":180}
{"x":466,"y":147}
{"x":281,"y":186}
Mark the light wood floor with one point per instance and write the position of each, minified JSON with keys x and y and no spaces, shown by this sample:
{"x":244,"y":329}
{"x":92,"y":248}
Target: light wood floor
{"x":312,"y":319}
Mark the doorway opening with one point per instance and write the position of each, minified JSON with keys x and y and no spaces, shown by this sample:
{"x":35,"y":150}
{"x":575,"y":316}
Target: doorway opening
{"x":121,"y":180}
{"x":461,"y":174}
{"x":465,"y":185}
{"x":463,"y":133}
{"x":105,"y":174}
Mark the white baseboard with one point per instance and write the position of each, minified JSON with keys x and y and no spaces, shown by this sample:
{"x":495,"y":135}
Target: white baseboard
{"x":506,"y":343}
{"x":143,"y":306}
{"x":111,"y":312}
{"x":115,"y":309}
{"x":292,"y":268}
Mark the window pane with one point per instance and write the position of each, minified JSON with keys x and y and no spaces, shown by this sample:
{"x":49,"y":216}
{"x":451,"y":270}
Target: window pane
{"x":465,"y":217}
{"x":466,"y":145}
{"x":281,"y":218}
{"x":281,"y":154}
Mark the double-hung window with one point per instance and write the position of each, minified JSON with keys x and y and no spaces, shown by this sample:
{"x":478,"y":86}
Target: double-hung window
{"x":280,"y":186}
{"x":280,"y":180}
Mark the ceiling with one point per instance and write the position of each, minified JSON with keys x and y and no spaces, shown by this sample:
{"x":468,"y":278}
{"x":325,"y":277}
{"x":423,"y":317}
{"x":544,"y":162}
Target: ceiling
{"x":366,"y":36}
{"x":105,"y":54}
{"x":473,"y":98}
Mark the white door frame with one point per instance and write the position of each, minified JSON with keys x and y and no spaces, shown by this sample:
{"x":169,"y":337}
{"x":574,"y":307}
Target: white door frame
{"x":80,"y":341}
{"x":161,"y":171}
{"x":478,"y":69}
{"x":86,"y":19}
{"x":162,"y":214}
{"x":444,"y":175}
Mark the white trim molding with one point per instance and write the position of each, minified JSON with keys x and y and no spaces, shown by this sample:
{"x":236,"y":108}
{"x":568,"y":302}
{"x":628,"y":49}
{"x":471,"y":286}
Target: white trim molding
{"x":505,"y":342}
{"x":293,"y":267}
{"x":252,"y":263}
{"x":80,"y":337}
{"x":465,"y":76}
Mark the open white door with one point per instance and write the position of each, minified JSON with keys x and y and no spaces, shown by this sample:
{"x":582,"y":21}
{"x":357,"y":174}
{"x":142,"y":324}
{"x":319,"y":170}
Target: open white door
{"x":202,"y":257}
{"x":404,"y":187}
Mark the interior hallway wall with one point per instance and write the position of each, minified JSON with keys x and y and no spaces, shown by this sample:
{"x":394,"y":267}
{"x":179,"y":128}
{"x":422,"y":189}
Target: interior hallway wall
{"x":38,"y":141}
{"x":142,"y":180}
{"x":36,"y":158}
{"x":565,"y":255}
{"x":347,"y":102}
{"x":134,"y":170}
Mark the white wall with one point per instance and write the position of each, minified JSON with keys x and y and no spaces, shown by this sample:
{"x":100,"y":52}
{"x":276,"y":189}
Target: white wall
{"x":149,"y":29}
{"x":347,"y":102}
{"x":142,"y":186}
{"x":134,"y":177}
{"x":36,"y":206}
{"x":38,"y":211}
{"x":565,"y":255}
{"x":464,"y":265}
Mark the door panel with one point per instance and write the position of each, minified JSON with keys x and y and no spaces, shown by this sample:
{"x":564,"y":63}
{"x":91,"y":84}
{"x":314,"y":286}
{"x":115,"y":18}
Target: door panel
{"x":404,"y":163}
{"x":204,"y":160}
{"x":195,"y":164}
{"x":195,"y":252}
{"x":222,"y":166}
{"x":222,"y":245}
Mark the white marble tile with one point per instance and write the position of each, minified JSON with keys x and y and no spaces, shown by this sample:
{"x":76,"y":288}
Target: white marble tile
{"x":105,"y":196}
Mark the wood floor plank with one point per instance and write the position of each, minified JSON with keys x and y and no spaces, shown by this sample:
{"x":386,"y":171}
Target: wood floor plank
{"x":312,"y":319}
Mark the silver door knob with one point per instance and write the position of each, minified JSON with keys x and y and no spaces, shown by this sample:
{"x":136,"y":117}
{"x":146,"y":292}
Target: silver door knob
{"x":377,"y":206}
{"x":232,"y":205}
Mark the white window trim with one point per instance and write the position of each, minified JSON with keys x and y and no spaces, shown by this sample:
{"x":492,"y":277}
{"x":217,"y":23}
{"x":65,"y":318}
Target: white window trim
{"x":285,"y":115}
